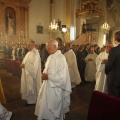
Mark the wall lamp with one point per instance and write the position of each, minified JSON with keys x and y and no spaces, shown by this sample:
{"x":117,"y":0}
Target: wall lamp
{"x":64,"y":28}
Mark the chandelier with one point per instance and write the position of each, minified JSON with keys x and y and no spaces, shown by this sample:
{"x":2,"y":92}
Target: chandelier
{"x":105,"y":26}
{"x":53,"y":25}
{"x":89,"y":9}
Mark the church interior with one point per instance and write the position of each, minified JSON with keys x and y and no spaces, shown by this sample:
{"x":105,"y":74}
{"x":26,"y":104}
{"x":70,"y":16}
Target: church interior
{"x":75,"y":21}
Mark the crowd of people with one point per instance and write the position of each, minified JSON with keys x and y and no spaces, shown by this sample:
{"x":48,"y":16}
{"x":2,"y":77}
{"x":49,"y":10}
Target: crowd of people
{"x":50,"y":72}
{"x":15,"y":51}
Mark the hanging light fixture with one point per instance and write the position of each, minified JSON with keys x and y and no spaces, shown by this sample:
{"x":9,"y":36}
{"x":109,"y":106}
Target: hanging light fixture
{"x":53,"y":25}
{"x":105,"y":27}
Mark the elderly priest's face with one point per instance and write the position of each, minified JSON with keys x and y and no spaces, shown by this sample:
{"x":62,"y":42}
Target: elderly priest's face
{"x":51,"y":48}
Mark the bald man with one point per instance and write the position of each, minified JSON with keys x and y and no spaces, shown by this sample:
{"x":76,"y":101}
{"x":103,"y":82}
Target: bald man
{"x":31,"y":74}
{"x":72,"y":65}
{"x":54,"y":96}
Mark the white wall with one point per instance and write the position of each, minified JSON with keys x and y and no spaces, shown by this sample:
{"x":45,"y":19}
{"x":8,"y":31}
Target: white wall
{"x":59,"y":12}
{"x":39,"y":13}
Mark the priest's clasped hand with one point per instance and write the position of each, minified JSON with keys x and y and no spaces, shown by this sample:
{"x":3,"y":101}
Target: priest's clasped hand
{"x":22,"y":65}
{"x":89,"y":59}
{"x":44,"y":76}
{"x":104,"y":61}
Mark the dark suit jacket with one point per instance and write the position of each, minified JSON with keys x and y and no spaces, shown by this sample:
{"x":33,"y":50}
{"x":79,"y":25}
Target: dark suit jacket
{"x":20,"y":52}
{"x":112,"y":67}
{"x":80,"y":59}
{"x":85,"y":52}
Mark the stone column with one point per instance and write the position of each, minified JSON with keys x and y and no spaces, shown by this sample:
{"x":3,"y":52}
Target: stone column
{"x":67,"y":37}
{"x":26,"y":24}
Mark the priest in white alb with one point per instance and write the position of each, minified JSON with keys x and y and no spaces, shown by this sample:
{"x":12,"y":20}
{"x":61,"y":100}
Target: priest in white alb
{"x":101,"y":83}
{"x":54,"y":95}
{"x":90,"y":69}
{"x":72,"y":66}
{"x":31,"y":74}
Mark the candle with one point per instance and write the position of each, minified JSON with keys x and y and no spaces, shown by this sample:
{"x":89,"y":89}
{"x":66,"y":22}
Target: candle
{"x":6,"y":37}
{"x":26,"y":36}
{"x":1,"y":35}
{"x":19,"y":36}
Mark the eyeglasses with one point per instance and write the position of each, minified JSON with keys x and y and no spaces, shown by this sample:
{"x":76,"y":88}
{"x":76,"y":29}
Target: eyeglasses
{"x":49,"y":46}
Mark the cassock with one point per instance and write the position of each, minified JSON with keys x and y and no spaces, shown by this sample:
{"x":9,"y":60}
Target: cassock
{"x":90,"y":68}
{"x":73,"y":68}
{"x":4,"y":113}
{"x":54,"y":95}
{"x":31,"y":76}
{"x":101,"y":84}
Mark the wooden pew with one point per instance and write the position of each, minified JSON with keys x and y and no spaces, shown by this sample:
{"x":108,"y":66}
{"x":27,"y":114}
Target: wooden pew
{"x":104,"y":107}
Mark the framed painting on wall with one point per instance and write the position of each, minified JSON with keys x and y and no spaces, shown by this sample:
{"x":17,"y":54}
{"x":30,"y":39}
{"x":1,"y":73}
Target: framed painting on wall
{"x":94,"y":37}
{"x":39,"y":29}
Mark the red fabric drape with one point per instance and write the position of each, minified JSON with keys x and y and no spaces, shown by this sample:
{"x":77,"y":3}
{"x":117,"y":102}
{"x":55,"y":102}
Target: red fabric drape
{"x":104,"y":107}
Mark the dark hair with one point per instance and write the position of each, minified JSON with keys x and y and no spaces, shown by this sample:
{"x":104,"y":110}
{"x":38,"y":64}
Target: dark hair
{"x":95,"y":45}
{"x":68,"y":44}
{"x":91,"y":47}
{"x":86,"y":45}
{"x":117,"y":36}
{"x":42,"y":46}
{"x":32,"y":41}
{"x":81,"y":47}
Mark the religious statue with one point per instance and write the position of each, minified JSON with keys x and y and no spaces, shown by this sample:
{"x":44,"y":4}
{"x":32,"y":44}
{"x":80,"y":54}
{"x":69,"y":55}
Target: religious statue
{"x":10,"y":22}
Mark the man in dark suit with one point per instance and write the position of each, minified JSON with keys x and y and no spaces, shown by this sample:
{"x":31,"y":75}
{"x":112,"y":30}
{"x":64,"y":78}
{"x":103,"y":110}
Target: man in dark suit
{"x":112,"y":68}
{"x":86,"y":49}
{"x":81,"y":62}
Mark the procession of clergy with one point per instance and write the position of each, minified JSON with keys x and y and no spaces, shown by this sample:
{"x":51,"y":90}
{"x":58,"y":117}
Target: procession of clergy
{"x":62,"y":69}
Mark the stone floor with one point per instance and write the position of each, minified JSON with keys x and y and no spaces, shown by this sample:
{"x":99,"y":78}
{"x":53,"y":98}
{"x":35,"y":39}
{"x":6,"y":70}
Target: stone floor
{"x":80,"y":99}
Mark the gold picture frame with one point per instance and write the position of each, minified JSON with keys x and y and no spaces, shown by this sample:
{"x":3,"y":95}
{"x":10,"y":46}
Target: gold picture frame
{"x":39,"y":29}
